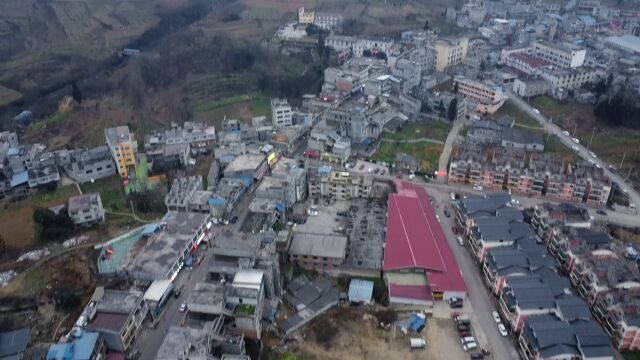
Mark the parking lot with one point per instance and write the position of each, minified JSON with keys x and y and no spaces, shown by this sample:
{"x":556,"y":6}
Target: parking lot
{"x":370,"y":167}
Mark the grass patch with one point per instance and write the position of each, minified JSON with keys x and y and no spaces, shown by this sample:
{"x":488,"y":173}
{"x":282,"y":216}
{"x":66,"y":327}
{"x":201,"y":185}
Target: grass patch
{"x":244,"y":310}
{"x":436,"y":130}
{"x":427,"y":153}
{"x":27,"y":283}
{"x":56,"y":118}
{"x":62,"y":192}
{"x":553,"y":145}
{"x":111,"y":192}
{"x":448,"y":29}
{"x":242,"y":107}
{"x":631,"y":355}
{"x":520,"y":118}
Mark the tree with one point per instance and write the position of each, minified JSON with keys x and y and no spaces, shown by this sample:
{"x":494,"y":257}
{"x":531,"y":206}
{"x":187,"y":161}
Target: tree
{"x":51,"y":226}
{"x":3,"y":245}
{"x":381,"y":55}
{"x":366,"y":53}
{"x":75,"y":92}
{"x":453,"y":109}
{"x":426,"y":25}
{"x":277,"y":226}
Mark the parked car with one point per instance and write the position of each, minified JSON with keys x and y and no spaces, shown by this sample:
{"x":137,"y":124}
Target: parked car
{"x":593,"y":155}
{"x":502,"y":329}
{"x":469,"y":346}
{"x":453,"y":196}
{"x":467,"y":339}
{"x":234,"y":220}
{"x":438,"y":217}
{"x":446,"y":213}
{"x":565,"y":133}
{"x":376,"y":171}
{"x":476,"y":356}
{"x":575,"y":148}
{"x":536,"y":111}
{"x":183,"y":307}
{"x":464,"y":333}
{"x":575,"y":140}
{"x":460,"y":241}
{"x":496,"y":317}
{"x":412,"y":176}
{"x":477,"y":187}
{"x":601,"y":212}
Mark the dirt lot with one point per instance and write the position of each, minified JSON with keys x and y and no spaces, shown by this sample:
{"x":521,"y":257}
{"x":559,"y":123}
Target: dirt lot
{"x":354,"y":334}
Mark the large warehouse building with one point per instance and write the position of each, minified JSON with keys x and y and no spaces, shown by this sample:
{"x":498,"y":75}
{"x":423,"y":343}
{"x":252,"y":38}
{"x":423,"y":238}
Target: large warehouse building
{"x":418,"y":263}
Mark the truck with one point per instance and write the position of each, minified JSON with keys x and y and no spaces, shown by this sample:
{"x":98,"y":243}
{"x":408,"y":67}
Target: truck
{"x":417,"y":343}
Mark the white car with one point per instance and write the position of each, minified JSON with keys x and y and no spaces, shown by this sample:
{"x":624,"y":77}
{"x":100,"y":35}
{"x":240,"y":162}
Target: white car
{"x":183,"y":307}
{"x":496,"y":317}
{"x":593,"y":155}
{"x":438,"y":217}
{"x":460,"y":241}
{"x":536,"y":111}
{"x":453,"y":196}
{"x":502,"y":329}
{"x":565,"y":133}
{"x":477,"y":187}
{"x":575,"y":140}
{"x":575,"y":148}
{"x":469,"y":346}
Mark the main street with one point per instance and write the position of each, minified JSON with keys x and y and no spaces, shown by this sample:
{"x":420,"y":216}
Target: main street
{"x":583,"y":152}
{"x":482,"y":301}
{"x":151,"y":338}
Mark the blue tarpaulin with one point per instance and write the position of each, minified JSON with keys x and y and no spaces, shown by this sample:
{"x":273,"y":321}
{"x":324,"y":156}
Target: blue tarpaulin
{"x":417,"y":322}
{"x":19,"y":178}
{"x":216,"y":202}
{"x":280,"y":208}
{"x":324,"y":169}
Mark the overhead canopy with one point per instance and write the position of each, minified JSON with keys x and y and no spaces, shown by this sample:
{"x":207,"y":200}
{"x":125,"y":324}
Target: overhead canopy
{"x":158,"y":288}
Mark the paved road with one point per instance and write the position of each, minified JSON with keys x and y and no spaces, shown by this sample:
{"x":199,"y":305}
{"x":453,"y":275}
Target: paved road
{"x":567,"y":141}
{"x":448,"y":145}
{"x":413,"y":141}
{"x":482,"y":301}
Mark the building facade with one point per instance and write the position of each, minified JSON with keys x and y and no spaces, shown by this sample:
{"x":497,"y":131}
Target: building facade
{"x":86,"y":209}
{"x":448,"y":52}
{"x":281,"y":113}
{"x":123,"y":148}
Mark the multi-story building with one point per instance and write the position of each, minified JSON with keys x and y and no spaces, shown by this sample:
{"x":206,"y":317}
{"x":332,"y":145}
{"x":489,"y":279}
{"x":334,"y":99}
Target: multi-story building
{"x":287,"y":183}
{"x":529,"y":88}
{"x":328,"y":21}
{"x":448,"y":52}
{"x":182,"y":191}
{"x":87,"y":165}
{"x":84,"y":345}
{"x":118,"y":316}
{"x":306,"y":17}
{"x":226,"y":196}
{"x":339,"y":185}
{"x":43,"y":175}
{"x":86,"y":209}
{"x":619,"y":313}
{"x":339,"y":42}
{"x":547,"y":217}
{"x":568,"y":79}
{"x":173,"y":243}
{"x":373,"y":45}
{"x":318,"y":252}
{"x":562,"y":55}
{"x":486,"y":94}
{"x":281,"y":113}
{"x":123,"y":148}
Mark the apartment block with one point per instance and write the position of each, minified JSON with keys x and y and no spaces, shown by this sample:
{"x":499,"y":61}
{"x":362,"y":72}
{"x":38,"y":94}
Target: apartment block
{"x":448,"y":52}
{"x":565,"y":56}
{"x":118,"y":316}
{"x":85,"y":165}
{"x":123,"y":148}
{"x":339,"y":185}
{"x":568,"y":79}
{"x":488,"y":96}
{"x":319,"y":252}
{"x":86,"y":209}
{"x":619,"y":313}
{"x":281,"y":113}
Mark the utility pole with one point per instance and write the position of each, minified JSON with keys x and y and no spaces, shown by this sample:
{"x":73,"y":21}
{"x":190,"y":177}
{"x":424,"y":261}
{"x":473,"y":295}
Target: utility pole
{"x":574,"y":130}
{"x":591,"y":140}
{"x":629,"y":174}
{"x":622,"y":161}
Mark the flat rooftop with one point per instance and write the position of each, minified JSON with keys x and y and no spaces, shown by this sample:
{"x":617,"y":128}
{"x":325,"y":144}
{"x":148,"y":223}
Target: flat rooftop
{"x":321,"y":245}
{"x":246,"y":162}
{"x":117,"y":134}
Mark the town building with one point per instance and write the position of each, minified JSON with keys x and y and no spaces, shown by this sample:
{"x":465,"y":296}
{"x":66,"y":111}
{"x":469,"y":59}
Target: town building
{"x":123,"y":148}
{"x":569,"y":79}
{"x":206,"y":343}
{"x":83,"y":346}
{"x":43,"y":175}
{"x":248,"y":166}
{"x":83,"y":165}
{"x":488,"y":96}
{"x":281,"y":113}
{"x":318,"y":252}
{"x":565,"y":55}
{"x":118,"y":316}
{"x":181,"y":192}
{"x":419,"y":266}
{"x":172,"y":244}
{"x":306,"y":17}
{"x":531,"y":88}
{"x":339,"y":185}
{"x":287,"y":183}
{"x":328,"y":21}
{"x":449,"y":52}
{"x":86,"y":210}
{"x":627,"y":43}
{"x":225,"y":197}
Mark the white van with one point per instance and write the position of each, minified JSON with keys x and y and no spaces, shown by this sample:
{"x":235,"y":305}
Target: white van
{"x":477,"y":187}
{"x":460,"y":241}
{"x":417,"y":343}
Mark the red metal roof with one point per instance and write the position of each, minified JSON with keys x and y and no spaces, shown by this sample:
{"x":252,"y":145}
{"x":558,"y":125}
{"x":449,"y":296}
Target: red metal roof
{"x":416,"y":240}
{"x":410,"y":292}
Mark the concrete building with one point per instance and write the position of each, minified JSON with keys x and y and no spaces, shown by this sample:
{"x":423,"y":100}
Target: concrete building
{"x":339,"y":185}
{"x":225,"y":197}
{"x":86,"y":209}
{"x":328,"y":21}
{"x":319,"y":252}
{"x":487,"y":95}
{"x":181,"y":192}
{"x":123,"y":148}
{"x":520,"y":139}
{"x":569,"y":79}
{"x":117,"y":315}
{"x":339,"y":42}
{"x":627,"y":43}
{"x":281,"y":113}
{"x":206,"y":343}
{"x":530,"y":88}
{"x":172,"y":244}
{"x":87,"y":165}
{"x":448,"y":52}
{"x":373,"y":45}
{"x":306,"y":17}
{"x":43,"y":175}
{"x":562,"y":55}
{"x":84,"y":346}
{"x":249,"y":166}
